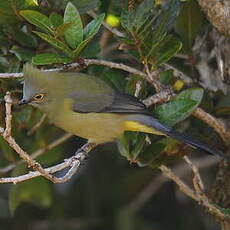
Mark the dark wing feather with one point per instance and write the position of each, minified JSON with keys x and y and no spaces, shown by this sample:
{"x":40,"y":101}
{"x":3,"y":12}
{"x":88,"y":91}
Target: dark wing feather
{"x":125,"y":103}
{"x":113,"y":102}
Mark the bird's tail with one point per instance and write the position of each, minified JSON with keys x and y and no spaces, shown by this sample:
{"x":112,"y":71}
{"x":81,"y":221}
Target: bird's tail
{"x":148,"y":124}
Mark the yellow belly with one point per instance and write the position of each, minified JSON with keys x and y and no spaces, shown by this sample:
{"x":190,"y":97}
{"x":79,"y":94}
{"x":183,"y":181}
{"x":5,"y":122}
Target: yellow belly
{"x":96,"y":127}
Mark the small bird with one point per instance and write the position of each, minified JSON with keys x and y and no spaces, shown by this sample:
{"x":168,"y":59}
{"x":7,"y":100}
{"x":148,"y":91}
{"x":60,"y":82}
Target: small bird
{"x":88,"y":107}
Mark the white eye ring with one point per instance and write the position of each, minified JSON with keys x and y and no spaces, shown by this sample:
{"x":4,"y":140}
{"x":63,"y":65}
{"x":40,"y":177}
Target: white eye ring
{"x":38,"y":97}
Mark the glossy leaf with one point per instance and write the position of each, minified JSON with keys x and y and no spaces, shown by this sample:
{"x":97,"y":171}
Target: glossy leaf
{"x":74,"y":33}
{"x":93,"y":27}
{"x":49,"y":58}
{"x":89,"y":32}
{"x":164,"y":50}
{"x":54,"y":42}
{"x":37,"y":19}
{"x":180,"y":107}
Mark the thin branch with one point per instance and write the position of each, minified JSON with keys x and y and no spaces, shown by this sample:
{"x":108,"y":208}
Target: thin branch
{"x":197,"y":180}
{"x":84,"y":63}
{"x":152,"y":188}
{"x":213,"y":122}
{"x":6,"y":133}
{"x":73,"y":162}
{"x":189,"y":192}
{"x":159,"y":98}
{"x":38,"y":152}
{"x":37,"y":126}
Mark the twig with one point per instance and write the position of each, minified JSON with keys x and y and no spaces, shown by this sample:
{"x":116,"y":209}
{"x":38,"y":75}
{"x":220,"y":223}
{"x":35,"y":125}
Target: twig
{"x":85,"y":63}
{"x":6,"y":133}
{"x":213,"y":122}
{"x":36,"y":126}
{"x":73,"y":162}
{"x":189,"y":192}
{"x":161,"y":97}
{"x":38,"y":152}
{"x":197,"y":181}
{"x":181,"y":170}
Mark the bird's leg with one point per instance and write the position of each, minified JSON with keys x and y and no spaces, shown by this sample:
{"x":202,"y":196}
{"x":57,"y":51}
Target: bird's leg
{"x":83,"y":152}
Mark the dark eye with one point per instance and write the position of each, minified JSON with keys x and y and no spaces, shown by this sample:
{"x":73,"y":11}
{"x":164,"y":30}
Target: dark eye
{"x":38,"y":97}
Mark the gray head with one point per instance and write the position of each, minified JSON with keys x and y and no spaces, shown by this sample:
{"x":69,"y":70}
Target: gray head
{"x":36,"y":90}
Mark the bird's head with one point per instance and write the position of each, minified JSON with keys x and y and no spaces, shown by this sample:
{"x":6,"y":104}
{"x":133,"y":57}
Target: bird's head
{"x":36,"y":87}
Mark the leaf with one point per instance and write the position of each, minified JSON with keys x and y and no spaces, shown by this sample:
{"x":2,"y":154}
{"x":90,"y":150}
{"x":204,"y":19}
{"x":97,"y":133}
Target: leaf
{"x":37,"y":19}
{"x":180,"y":107}
{"x":150,"y":153}
{"x":9,"y":10}
{"x":93,"y":27}
{"x":49,"y":58}
{"x":60,"y":30}
{"x":133,"y":20}
{"x":89,"y":32}
{"x":55,"y":43}
{"x":25,"y":39}
{"x":74,"y":33}
{"x":123,"y":146}
{"x":91,"y":50}
{"x":21,"y":53}
{"x":189,"y":23}
{"x":55,"y":19}
{"x":164,"y":50}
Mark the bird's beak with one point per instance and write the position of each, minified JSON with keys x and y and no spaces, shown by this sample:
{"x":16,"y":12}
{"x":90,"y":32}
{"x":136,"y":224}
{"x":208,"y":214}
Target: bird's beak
{"x":23,"y":102}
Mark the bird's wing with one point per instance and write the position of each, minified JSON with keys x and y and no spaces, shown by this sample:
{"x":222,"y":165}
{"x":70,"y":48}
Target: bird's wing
{"x":105,"y":101}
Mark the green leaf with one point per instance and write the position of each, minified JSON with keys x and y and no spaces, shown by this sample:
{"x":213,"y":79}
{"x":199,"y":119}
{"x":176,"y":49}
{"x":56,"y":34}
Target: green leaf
{"x":37,"y":19}
{"x":189,"y":23}
{"x":9,"y":10}
{"x":36,"y":191}
{"x":25,"y":39}
{"x":55,"y":19}
{"x":74,"y":33}
{"x":89,"y":32}
{"x":55,"y":43}
{"x":60,"y":30}
{"x":91,"y":50}
{"x":22,"y":54}
{"x":226,"y":211}
{"x":133,"y":20}
{"x":131,"y":144}
{"x":49,"y":58}
{"x":180,"y":107}
{"x":164,"y":50}
{"x":150,"y":153}
{"x":92,"y":28}
{"x":123,"y":146}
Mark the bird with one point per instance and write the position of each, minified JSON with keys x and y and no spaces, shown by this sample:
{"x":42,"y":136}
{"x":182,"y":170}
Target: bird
{"x":88,"y":107}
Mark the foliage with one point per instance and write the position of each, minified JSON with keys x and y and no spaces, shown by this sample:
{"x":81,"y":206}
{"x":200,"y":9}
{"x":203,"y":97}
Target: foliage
{"x":156,"y":35}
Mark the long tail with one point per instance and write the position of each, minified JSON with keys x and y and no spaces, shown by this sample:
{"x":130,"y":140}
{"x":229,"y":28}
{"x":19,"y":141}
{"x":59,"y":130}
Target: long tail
{"x":152,"y":125}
